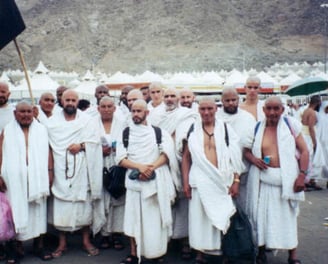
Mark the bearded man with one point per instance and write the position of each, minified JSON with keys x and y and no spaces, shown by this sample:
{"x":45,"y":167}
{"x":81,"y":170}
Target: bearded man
{"x":77,"y":173}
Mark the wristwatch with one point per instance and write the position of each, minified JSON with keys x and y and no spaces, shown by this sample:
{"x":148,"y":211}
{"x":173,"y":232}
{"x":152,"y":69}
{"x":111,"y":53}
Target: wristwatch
{"x":305,"y":172}
{"x":82,"y":145}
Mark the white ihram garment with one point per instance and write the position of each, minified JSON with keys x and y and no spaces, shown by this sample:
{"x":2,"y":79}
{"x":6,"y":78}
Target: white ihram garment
{"x":74,"y":191}
{"x":211,"y":207}
{"x":113,"y":208}
{"x":148,"y":216}
{"x":272,"y":205}
{"x":28,"y":185}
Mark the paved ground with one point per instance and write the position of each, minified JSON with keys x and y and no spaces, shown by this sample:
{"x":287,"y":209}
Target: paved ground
{"x":313,"y":236}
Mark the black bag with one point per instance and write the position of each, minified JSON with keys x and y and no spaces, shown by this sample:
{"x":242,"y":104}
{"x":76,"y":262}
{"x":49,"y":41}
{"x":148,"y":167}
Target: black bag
{"x":114,"y":177}
{"x":113,"y":180}
{"x":238,"y":242}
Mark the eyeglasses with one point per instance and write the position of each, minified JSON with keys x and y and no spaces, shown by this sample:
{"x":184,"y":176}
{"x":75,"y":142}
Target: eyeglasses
{"x":252,"y":87}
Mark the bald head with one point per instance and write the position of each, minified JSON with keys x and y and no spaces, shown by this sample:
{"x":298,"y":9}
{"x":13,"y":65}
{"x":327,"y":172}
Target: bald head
{"x":4,"y":94}
{"x":100,"y":92}
{"x":106,"y":108}
{"x":140,"y":103}
{"x":106,"y":99}
{"x":207,"y":109}
{"x":59,"y":93}
{"x":187,"y":97}
{"x":156,"y":93}
{"x":124,"y":93}
{"x":132,"y":96}
{"x":24,"y":113}
{"x":229,"y":90}
{"x":274,"y":99}
{"x":171,"y":99}
{"x":273,"y":109}
{"x":47,"y":103}
{"x":252,"y":88}
{"x":70,"y":100}
{"x":230,"y":100}
{"x":139,"y":112}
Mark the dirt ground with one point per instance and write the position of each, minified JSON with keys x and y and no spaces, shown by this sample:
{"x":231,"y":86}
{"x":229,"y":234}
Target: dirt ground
{"x":313,"y":240}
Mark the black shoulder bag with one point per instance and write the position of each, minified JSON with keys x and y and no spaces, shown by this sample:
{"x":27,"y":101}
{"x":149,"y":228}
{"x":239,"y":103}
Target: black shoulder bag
{"x":114,"y":177}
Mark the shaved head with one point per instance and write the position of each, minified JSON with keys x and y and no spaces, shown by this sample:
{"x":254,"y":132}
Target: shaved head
{"x":274,"y":99}
{"x":141,"y":103}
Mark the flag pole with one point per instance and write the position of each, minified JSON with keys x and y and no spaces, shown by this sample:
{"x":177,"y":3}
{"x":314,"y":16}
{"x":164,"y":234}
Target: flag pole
{"x":25,"y":70}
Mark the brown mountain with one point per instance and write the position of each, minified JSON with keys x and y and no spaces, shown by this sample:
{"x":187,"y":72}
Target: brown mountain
{"x":168,"y":35}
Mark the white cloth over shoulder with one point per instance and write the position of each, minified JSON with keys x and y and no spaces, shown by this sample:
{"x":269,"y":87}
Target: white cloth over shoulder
{"x":322,"y":136}
{"x":243,"y":124}
{"x":84,"y":170}
{"x":154,"y":196}
{"x":112,"y":219}
{"x":176,"y":122}
{"x":7,"y":115}
{"x":213,"y":183}
{"x":26,"y":183}
{"x":288,"y":166}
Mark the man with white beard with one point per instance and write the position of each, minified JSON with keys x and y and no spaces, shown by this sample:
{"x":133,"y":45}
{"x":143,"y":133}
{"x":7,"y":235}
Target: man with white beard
{"x":177,"y":121}
{"x":149,"y":194}
{"x":243,"y":124}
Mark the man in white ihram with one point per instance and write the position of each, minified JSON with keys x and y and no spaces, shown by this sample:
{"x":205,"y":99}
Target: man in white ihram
{"x":211,"y":165}
{"x":176,"y":121}
{"x":243,"y":124}
{"x":148,"y":218}
{"x":276,"y":183}
{"x":77,"y":173}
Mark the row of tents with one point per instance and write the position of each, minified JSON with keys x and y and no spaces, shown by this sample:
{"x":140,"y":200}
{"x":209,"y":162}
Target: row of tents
{"x":273,"y":80}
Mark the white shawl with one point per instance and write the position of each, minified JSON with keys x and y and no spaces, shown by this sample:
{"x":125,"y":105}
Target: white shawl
{"x":26,"y":183}
{"x":288,"y":165}
{"x":141,"y":150}
{"x":177,"y":122}
{"x":63,"y":133}
{"x":213,"y":183}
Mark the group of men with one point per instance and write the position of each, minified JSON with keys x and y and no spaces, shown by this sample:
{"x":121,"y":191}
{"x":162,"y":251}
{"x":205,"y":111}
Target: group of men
{"x":181,"y":183}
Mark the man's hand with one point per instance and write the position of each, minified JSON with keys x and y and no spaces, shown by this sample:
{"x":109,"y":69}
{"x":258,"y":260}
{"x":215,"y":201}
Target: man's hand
{"x":259,"y":163}
{"x":299,"y":184}
{"x":187,"y":191}
{"x":146,"y":170}
{"x":234,"y":189}
{"x":74,"y":148}
{"x":3,"y":186}
{"x":107,"y":150}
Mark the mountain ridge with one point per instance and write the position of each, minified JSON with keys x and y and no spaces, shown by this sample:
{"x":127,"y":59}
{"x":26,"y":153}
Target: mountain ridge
{"x":168,"y":35}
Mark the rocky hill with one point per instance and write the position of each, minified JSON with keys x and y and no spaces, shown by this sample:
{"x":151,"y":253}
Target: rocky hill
{"x":168,"y":35}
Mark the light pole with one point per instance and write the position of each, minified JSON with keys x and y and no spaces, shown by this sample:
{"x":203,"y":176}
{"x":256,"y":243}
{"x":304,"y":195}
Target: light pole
{"x":325,"y":5}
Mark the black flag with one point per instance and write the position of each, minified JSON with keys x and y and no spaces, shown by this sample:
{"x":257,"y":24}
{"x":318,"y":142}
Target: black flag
{"x":11,"y":22}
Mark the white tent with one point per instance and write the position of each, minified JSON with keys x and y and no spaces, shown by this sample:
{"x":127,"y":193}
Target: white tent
{"x":40,"y":83}
{"x":120,"y":77}
{"x":41,"y":69}
{"x":236,"y":79}
{"x":149,"y":76}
